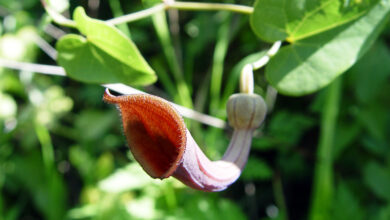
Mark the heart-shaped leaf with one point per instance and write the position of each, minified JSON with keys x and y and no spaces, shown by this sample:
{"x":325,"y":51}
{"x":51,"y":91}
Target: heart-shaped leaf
{"x":313,"y":63}
{"x":308,"y":65}
{"x":104,"y":55}
{"x":293,"y":20}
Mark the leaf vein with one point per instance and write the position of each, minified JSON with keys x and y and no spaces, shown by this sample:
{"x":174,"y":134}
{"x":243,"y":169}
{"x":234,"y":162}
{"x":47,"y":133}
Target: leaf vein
{"x":308,"y":15}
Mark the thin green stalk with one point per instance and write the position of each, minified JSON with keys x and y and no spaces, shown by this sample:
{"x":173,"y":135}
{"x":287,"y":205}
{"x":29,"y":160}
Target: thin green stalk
{"x":322,"y":196}
{"x":220,"y":52}
{"x":2,"y":213}
{"x":46,"y":146}
{"x":270,"y":98}
{"x":117,"y":11}
{"x":164,"y":78}
{"x":161,"y":26}
{"x":200,"y":104}
{"x":55,"y":205}
{"x":279,"y":196}
{"x":174,"y":27}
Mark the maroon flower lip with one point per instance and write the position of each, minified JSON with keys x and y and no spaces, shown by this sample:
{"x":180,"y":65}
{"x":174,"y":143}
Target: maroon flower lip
{"x":163,"y":146}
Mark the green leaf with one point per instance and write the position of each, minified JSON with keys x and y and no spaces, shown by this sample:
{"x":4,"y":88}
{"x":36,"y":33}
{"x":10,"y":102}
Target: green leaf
{"x":94,"y":124}
{"x":285,"y":130}
{"x":150,"y":3}
{"x":257,"y":169}
{"x":198,"y":206}
{"x":293,"y":20}
{"x":374,"y":119}
{"x":8,"y":106}
{"x":48,"y":192}
{"x":374,"y":146}
{"x":377,"y":178}
{"x":130,"y":177}
{"x":309,"y":65}
{"x":288,"y":127}
{"x":370,"y":73}
{"x":83,"y":162}
{"x":104,"y":55}
{"x":384,"y":213}
{"x":346,"y":134}
{"x":346,"y":205}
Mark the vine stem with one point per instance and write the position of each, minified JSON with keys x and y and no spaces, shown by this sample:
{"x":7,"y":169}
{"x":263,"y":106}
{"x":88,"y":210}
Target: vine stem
{"x":57,"y":17}
{"x":211,"y":7}
{"x":137,"y":15}
{"x":117,"y":87}
{"x":194,"y":6}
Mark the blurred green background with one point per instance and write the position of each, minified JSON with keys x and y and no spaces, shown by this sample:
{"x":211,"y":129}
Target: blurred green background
{"x":63,"y":155}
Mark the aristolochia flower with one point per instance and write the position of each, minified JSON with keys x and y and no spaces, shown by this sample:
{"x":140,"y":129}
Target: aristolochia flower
{"x":161,"y":143}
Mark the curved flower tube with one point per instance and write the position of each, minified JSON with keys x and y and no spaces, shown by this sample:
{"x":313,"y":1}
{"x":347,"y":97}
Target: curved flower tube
{"x":161,"y":143}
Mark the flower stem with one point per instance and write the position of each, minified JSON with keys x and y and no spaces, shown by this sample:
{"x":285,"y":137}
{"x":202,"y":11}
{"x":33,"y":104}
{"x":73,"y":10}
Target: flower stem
{"x":270,"y":53}
{"x":247,"y":83}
